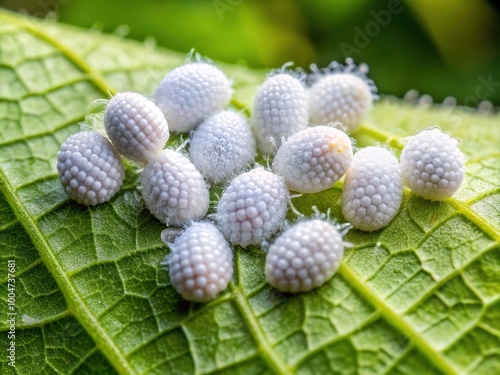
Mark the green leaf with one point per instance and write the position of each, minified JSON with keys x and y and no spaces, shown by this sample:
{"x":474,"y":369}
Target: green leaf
{"x":420,"y":296}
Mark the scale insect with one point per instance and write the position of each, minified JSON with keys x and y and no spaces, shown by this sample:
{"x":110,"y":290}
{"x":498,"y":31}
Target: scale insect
{"x":373,"y":189}
{"x":135,"y":126}
{"x":313,"y":159}
{"x":432,"y":164}
{"x":305,"y":256}
{"x":200,"y":262}
{"x":173,"y":189}
{"x":279,"y":110}
{"x":252,"y":208}
{"x":222,"y":146}
{"x":340,"y":93}
{"x":190,"y":93}
{"x":90,"y":169}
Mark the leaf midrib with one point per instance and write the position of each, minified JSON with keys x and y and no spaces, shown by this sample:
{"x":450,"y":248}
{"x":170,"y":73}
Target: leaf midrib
{"x":397,"y":321}
{"x":75,"y":303}
{"x":93,"y":76}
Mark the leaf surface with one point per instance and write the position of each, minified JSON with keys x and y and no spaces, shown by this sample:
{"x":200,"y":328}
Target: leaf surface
{"x":420,"y":296}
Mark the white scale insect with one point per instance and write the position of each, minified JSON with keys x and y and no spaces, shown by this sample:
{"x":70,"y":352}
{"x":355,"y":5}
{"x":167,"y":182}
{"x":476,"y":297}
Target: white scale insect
{"x":432,"y":164}
{"x":200,"y":262}
{"x":340,"y":94}
{"x":173,"y":189}
{"x":313,"y":159}
{"x":190,"y":93}
{"x":279,"y":110}
{"x":252,"y":208}
{"x":222,"y":146}
{"x":135,"y":126}
{"x":90,"y":169}
{"x":305,"y":256}
{"x":373,"y":189}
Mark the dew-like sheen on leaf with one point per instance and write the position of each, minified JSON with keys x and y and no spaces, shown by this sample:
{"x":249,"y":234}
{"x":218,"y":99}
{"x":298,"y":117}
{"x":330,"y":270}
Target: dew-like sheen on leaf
{"x":419,"y":296}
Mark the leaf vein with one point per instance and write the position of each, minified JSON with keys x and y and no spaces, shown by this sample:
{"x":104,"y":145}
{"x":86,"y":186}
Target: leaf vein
{"x":302,"y":359}
{"x":265,"y":350}
{"x":397,"y":321}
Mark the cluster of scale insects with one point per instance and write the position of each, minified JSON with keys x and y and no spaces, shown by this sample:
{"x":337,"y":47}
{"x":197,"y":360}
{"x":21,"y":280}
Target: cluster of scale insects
{"x":299,"y":121}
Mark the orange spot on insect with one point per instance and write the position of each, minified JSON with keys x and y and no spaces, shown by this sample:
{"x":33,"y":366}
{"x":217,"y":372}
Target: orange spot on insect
{"x":333,"y":146}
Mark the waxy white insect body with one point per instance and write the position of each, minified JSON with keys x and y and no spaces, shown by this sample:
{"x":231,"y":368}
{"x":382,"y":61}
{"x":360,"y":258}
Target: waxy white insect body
{"x":305,"y":256}
{"x":222,"y":146}
{"x":173,"y":189}
{"x":90,"y":169}
{"x":432,"y":164}
{"x":279,"y":110}
{"x":252,"y":208}
{"x":340,"y":93}
{"x":313,"y":159}
{"x":373,"y":189}
{"x":135,"y":126}
{"x":200,"y":262}
{"x":190,"y":93}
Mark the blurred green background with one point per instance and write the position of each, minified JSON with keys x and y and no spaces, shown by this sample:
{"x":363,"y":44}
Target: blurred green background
{"x":438,"y":47}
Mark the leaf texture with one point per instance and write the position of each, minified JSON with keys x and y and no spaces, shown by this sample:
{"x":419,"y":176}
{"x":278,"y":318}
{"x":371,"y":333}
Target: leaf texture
{"x":421,"y":296}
